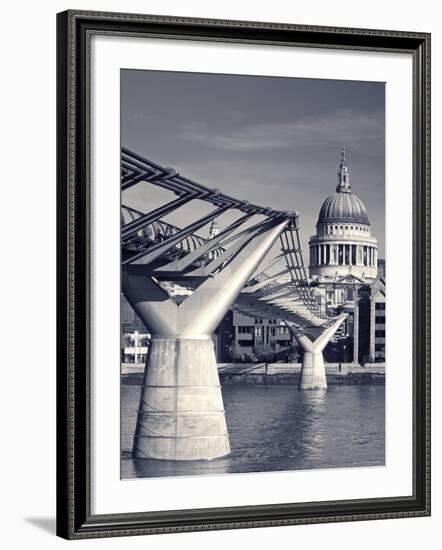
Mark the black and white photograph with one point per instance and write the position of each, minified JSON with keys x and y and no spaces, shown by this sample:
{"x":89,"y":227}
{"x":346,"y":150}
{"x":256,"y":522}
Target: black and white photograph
{"x":253,"y":274}
{"x":218,"y":197}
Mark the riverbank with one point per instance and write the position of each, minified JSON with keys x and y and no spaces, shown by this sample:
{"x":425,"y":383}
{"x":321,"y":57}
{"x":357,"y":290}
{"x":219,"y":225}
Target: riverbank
{"x":278,"y":373}
{"x":349,"y":379}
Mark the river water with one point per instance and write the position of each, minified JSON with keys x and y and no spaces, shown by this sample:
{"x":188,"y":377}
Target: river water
{"x":278,"y":427}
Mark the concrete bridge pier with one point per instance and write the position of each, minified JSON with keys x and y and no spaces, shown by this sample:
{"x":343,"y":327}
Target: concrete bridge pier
{"x":313,"y":374}
{"x":181,"y":413}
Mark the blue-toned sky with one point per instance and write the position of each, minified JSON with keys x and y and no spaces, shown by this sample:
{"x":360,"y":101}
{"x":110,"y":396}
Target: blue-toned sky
{"x":272,"y":141}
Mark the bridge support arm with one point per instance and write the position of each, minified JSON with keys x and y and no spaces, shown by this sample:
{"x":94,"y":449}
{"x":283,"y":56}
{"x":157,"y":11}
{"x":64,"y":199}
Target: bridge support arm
{"x":313,"y":374}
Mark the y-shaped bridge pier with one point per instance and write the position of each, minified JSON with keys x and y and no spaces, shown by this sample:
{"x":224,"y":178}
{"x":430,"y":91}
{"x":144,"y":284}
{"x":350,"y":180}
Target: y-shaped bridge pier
{"x":181,"y":413}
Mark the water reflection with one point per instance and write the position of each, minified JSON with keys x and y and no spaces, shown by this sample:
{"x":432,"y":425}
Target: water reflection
{"x":278,"y":428}
{"x":311,"y":430}
{"x":169,"y":468}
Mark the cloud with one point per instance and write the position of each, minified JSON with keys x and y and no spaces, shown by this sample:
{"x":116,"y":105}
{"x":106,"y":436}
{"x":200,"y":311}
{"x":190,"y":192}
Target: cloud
{"x":341,"y":126}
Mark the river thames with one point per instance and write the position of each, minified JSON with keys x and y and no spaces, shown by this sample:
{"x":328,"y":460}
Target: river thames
{"x":278,"y":427}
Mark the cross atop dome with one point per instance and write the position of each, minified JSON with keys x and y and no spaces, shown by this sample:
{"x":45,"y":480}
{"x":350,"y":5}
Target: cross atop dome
{"x":343,"y":179}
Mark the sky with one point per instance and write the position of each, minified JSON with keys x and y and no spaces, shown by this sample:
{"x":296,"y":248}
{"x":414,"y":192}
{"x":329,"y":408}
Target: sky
{"x":269,"y":140}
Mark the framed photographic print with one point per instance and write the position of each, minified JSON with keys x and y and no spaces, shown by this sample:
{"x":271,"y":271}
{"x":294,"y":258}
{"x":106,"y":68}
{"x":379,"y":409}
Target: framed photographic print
{"x":238,"y":202}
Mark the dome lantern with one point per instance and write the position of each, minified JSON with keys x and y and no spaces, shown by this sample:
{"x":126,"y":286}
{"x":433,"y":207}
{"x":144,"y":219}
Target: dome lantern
{"x":343,"y":179}
{"x":343,"y":205}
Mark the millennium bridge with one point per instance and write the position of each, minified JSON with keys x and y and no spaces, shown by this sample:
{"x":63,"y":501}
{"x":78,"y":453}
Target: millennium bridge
{"x":252,"y":264}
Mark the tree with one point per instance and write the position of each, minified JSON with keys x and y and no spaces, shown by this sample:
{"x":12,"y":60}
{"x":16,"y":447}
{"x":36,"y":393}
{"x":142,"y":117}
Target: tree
{"x":263,"y":353}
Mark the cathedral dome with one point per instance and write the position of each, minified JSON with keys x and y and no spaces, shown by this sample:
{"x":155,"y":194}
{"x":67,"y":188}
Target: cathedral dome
{"x":343,"y":205}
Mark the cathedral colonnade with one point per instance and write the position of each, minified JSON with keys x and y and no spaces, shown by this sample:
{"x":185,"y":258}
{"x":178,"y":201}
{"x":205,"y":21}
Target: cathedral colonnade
{"x":343,"y":253}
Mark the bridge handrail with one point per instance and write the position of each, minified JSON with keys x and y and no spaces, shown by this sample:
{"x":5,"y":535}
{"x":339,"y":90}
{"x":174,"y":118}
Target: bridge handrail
{"x":136,"y":168}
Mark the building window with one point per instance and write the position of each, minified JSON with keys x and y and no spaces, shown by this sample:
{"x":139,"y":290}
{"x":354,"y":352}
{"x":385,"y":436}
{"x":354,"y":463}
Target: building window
{"x":380,"y":305}
{"x":245,"y":343}
{"x":379,"y":333}
{"x":380,"y":320}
